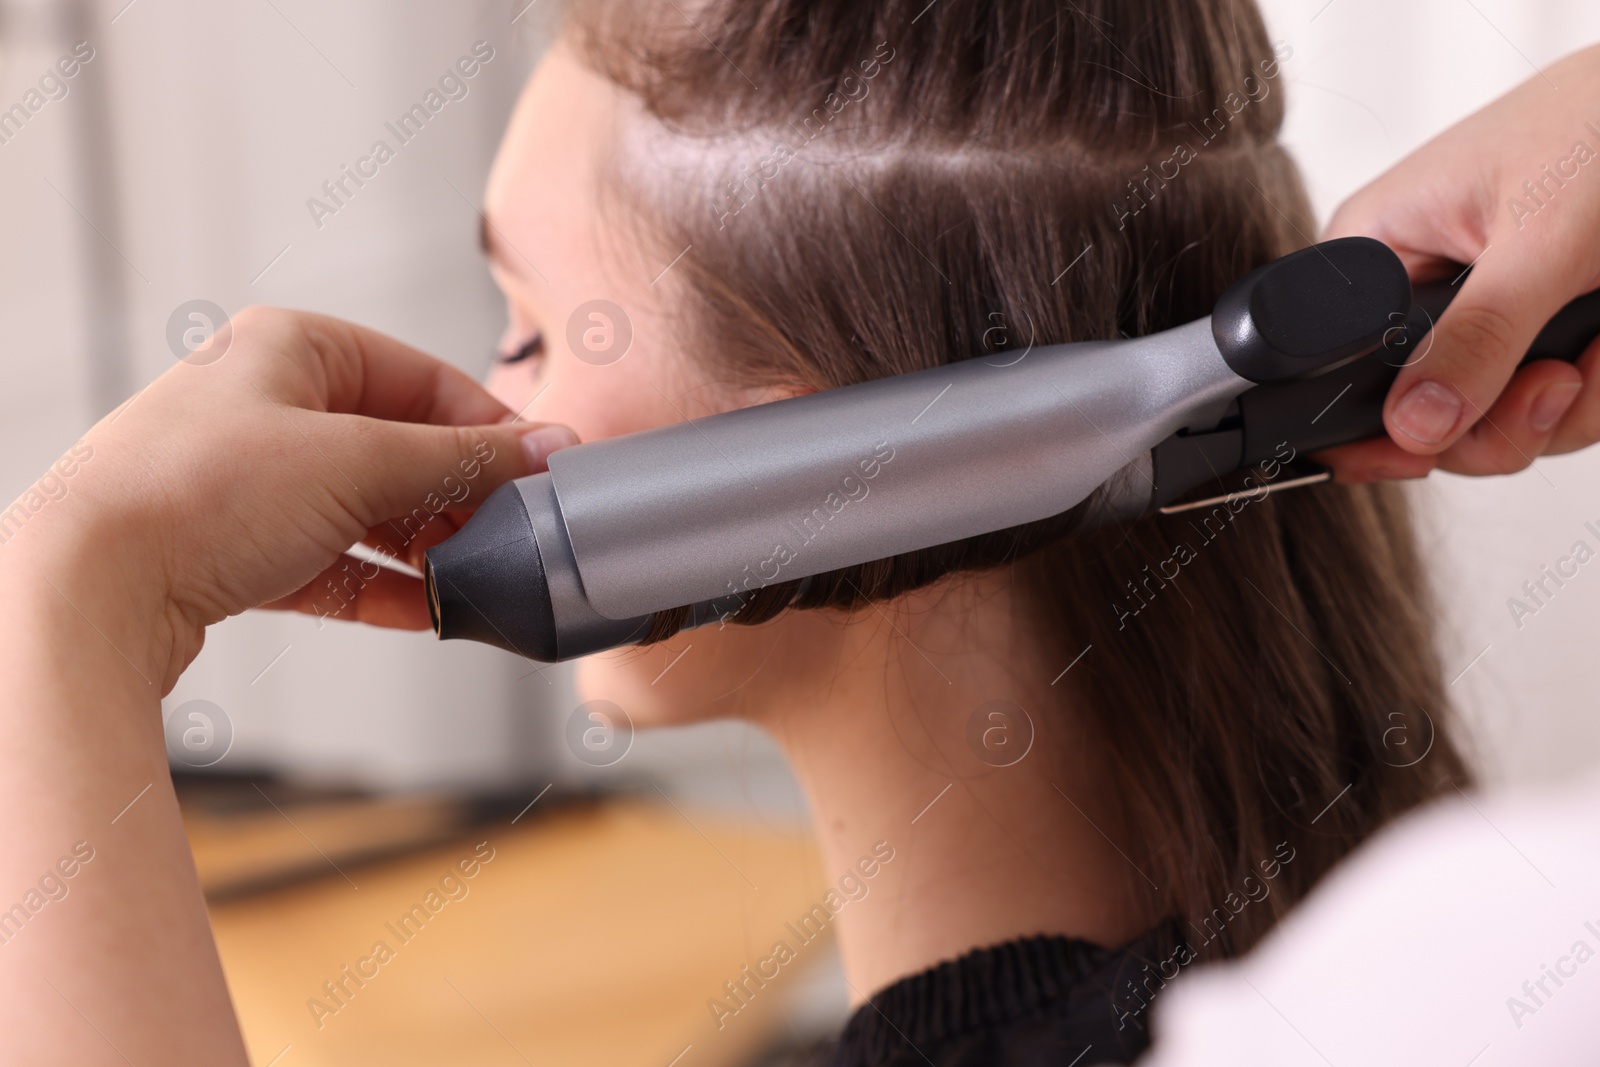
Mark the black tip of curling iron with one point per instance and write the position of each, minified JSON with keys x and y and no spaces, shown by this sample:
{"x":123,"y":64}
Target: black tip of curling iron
{"x":487,"y":583}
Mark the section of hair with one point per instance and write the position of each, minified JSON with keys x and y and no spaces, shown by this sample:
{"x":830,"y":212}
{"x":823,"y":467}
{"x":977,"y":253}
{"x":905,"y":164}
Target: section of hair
{"x":871,"y":188}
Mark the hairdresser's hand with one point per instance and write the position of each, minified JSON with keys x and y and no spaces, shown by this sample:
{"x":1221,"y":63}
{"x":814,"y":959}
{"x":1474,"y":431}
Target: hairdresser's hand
{"x":1465,"y":198}
{"x":241,"y":482}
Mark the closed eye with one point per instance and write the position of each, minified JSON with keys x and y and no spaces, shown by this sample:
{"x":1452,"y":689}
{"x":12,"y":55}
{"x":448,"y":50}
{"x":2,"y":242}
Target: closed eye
{"x":534,"y":346}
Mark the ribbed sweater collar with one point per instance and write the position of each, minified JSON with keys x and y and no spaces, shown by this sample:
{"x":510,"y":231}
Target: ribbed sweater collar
{"x":995,"y":988}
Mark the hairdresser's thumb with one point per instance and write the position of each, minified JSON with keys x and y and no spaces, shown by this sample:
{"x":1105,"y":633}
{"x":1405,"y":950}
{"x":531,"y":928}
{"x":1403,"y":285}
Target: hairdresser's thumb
{"x":403,"y":466}
{"x":537,"y":440}
{"x":1472,"y":352}
{"x":1520,"y":280}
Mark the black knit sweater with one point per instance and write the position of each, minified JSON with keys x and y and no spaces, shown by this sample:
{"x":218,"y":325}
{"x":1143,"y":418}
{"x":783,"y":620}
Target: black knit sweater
{"x":1039,"y":1000}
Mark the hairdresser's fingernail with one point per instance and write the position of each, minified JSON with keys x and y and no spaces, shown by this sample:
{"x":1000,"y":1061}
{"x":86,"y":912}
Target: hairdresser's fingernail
{"x":1428,"y":412}
{"x":1550,"y":405}
{"x":538,"y":445}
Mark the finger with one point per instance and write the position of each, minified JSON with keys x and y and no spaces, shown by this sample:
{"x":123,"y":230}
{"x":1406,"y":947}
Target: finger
{"x":1475,"y":347}
{"x":1580,"y":428}
{"x":1481,"y":338}
{"x":363,"y":372}
{"x":1519,"y":425}
{"x":1369,"y":213}
{"x":355,"y":590}
{"x":415,"y":471}
{"x":1376,"y":459}
{"x":405,"y":538}
{"x":1355,"y":217}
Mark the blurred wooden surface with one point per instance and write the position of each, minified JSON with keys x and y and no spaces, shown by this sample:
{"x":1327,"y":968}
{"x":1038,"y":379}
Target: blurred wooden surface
{"x":595,"y":935}
{"x":241,"y":847}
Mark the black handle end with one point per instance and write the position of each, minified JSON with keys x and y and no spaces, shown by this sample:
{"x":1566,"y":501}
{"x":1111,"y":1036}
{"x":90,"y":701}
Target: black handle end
{"x":1311,"y":311}
{"x":487,"y":582}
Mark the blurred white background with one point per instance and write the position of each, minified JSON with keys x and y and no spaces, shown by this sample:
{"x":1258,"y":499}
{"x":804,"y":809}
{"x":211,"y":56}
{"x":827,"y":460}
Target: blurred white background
{"x":1369,"y":82}
{"x":178,"y":167}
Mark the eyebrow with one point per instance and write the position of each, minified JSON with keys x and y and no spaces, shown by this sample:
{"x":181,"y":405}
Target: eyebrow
{"x":500,"y":250}
{"x":486,"y":239}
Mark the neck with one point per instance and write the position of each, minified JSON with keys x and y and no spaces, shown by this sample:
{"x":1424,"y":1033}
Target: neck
{"x":941,"y":828}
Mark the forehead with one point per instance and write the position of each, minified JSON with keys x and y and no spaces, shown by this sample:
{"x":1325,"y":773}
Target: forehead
{"x":543,"y":193}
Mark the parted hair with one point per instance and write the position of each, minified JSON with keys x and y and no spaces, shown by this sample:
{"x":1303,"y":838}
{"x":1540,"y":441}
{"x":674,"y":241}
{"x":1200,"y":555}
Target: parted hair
{"x":870,"y":187}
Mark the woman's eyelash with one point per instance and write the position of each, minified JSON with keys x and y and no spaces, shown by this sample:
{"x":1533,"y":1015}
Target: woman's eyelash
{"x":534,"y":346}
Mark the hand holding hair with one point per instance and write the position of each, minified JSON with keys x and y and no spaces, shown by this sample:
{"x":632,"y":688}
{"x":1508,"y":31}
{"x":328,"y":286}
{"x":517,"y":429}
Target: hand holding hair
{"x":341,"y":434}
{"x":219,"y":487}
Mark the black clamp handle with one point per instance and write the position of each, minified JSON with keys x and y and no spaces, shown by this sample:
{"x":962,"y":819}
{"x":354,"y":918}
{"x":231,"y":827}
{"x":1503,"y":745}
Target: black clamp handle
{"x":1312,"y":310}
{"x":1328,"y":403}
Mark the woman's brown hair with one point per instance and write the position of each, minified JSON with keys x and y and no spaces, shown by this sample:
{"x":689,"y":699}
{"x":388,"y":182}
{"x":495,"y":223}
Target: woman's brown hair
{"x":985,"y":174}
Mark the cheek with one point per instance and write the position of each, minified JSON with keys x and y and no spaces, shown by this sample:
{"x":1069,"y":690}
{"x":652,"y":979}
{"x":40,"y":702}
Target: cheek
{"x":623,"y":676}
{"x":726,"y":672}
{"x":633,"y":679}
{"x":513,"y":386}
{"x":595,"y":402}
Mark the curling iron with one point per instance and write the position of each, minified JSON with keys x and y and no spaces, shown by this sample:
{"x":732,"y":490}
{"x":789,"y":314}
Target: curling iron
{"x":1297,"y":354}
